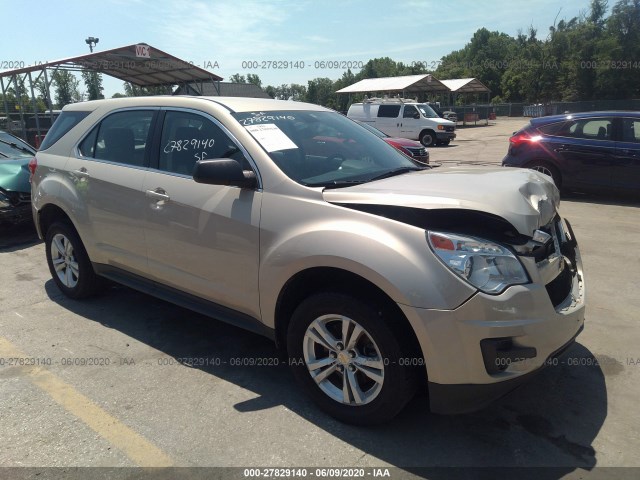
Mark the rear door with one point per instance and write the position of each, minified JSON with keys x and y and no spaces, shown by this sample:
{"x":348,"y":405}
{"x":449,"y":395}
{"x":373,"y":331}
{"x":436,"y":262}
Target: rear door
{"x":108,"y":173}
{"x":626,"y":164}
{"x":388,"y":119}
{"x":201,"y":239}
{"x":586,"y":149}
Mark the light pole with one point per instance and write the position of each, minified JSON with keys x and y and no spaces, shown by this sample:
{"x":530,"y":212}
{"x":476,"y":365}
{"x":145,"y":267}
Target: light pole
{"x":91,"y":41}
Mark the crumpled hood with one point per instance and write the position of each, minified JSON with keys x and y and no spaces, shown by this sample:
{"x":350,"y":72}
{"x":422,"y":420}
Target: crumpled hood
{"x":525,"y":198}
{"x":14,"y":174}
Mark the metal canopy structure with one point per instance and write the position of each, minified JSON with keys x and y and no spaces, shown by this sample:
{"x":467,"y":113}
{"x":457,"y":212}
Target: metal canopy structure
{"x":419,"y":84}
{"x":465,"y":85}
{"x":405,"y":84}
{"x":139,"y":64}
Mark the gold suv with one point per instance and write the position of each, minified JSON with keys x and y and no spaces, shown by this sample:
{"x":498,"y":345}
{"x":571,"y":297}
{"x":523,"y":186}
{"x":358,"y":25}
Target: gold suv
{"x":377,"y":274}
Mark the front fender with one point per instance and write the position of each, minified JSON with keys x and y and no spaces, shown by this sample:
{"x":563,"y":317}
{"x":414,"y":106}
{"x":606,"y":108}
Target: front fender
{"x":391,"y":255}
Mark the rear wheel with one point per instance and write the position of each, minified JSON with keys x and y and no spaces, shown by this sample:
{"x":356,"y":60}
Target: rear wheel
{"x":428,"y":138}
{"x":69,"y":263}
{"x":346,"y":357}
{"x":547,"y":169}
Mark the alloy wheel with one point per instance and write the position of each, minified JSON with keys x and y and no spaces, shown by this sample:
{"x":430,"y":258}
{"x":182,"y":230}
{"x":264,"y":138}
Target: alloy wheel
{"x":343,"y":359}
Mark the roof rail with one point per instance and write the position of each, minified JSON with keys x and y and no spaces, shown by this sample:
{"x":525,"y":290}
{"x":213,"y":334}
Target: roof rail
{"x":389,"y":100}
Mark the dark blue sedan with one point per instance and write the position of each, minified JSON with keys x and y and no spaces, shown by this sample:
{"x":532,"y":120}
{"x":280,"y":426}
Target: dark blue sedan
{"x":582,"y":151}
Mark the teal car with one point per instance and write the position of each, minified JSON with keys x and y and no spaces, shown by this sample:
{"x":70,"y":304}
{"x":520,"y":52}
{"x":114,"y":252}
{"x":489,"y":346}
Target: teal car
{"x":15,"y":188}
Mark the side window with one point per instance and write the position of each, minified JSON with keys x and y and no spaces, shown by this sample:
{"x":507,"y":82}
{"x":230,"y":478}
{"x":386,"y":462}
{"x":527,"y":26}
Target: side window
{"x":410,"y":112}
{"x":560,"y":129}
{"x":88,"y":145}
{"x":121,"y":137}
{"x":388,"y":111}
{"x":630,"y":130}
{"x":189,"y":137}
{"x":61,"y":125}
{"x":591,"y":129}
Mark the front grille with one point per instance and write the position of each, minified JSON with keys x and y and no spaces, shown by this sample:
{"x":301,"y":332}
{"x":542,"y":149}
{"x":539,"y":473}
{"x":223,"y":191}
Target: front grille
{"x":450,"y":129}
{"x":17,"y":198}
{"x":560,"y":288}
{"x":417,"y":152}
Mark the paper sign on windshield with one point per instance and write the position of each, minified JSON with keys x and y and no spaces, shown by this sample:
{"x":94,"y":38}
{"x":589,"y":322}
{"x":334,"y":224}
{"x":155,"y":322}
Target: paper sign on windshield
{"x":271,"y":137}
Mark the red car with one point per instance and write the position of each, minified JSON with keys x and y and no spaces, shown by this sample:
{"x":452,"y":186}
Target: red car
{"x":411,"y":148}
{"x":346,"y":147}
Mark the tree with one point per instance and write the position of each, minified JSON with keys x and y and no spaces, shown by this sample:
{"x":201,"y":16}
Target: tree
{"x":66,"y":87}
{"x":321,"y":92}
{"x":43,"y":92}
{"x":255,"y":79}
{"x":237,"y":78}
{"x":132,"y":90}
{"x":271,"y":91}
{"x":93,"y":82}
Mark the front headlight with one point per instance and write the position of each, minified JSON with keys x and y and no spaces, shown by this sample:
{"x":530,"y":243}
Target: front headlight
{"x":484,"y":264}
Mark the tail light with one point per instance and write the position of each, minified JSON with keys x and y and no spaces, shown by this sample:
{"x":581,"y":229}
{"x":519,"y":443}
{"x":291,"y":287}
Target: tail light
{"x":523,"y":137}
{"x":33,"y":164}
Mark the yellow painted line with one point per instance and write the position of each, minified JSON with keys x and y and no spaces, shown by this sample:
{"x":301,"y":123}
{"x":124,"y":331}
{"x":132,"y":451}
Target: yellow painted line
{"x":128,"y":441}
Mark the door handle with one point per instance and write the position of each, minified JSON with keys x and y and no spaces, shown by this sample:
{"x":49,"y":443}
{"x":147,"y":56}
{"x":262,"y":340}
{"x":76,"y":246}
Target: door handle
{"x":158,"y":194}
{"x":82,"y":172}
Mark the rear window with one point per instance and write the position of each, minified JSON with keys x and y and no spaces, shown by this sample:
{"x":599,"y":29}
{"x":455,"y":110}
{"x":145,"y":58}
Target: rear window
{"x":65,"y":122}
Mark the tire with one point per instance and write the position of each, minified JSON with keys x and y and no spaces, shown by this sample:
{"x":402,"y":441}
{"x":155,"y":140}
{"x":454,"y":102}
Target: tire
{"x":69,"y":263}
{"x":345,"y":392}
{"x":428,"y":138}
{"x":547,"y":169}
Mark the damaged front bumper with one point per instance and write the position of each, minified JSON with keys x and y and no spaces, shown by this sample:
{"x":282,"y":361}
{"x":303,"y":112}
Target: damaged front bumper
{"x":493,"y":343}
{"x":15,"y":207}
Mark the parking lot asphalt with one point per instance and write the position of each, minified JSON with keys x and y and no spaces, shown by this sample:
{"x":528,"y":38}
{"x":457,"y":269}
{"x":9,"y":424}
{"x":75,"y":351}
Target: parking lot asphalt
{"x":124,"y":379}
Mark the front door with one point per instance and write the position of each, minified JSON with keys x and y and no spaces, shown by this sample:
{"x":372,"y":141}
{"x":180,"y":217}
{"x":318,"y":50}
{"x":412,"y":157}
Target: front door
{"x":201,"y":239}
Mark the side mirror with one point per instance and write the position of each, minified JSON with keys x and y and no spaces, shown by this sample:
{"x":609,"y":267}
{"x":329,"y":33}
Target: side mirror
{"x":223,"y":171}
{"x":416,"y":115}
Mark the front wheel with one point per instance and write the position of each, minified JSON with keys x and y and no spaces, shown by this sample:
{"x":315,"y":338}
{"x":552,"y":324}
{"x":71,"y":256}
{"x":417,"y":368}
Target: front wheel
{"x":69,"y":263}
{"x":428,"y":138}
{"x":348,"y":359}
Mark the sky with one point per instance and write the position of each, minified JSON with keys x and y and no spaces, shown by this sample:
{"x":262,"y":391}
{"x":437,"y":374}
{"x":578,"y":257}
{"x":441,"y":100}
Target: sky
{"x":234,"y":36}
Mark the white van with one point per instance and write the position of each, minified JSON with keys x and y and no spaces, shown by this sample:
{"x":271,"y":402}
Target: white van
{"x":403,"y":118}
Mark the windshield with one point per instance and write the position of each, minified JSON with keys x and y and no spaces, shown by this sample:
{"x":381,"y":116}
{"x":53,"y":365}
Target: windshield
{"x":427,"y":111}
{"x":323,"y":148}
{"x":11,"y":146}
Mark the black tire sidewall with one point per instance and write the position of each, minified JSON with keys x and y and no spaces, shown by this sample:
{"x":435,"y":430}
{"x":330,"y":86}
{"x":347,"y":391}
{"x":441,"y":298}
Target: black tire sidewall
{"x":398,"y":386}
{"x":434,"y":139}
{"x":86,"y":276}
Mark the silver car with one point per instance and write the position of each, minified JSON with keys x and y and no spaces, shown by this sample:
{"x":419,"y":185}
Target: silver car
{"x":378,"y":275}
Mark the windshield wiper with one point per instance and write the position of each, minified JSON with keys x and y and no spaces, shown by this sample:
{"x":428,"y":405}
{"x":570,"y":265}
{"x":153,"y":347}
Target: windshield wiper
{"x":336,"y":183}
{"x":15,"y":145}
{"x":393,"y":173}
